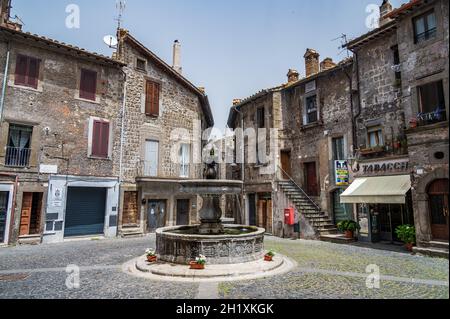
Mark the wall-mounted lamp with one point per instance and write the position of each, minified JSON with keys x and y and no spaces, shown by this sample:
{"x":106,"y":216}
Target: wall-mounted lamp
{"x":144,"y":201}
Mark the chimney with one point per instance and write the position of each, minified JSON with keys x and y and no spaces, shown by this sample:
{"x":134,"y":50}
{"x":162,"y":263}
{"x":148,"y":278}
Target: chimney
{"x":386,"y":7}
{"x":326,"y":64}
{"x":292,"y":76}
{"x":236,"y":102}
{"x":4,"y":11}
{"x":311,"y":62}
{"x":177,"y":57}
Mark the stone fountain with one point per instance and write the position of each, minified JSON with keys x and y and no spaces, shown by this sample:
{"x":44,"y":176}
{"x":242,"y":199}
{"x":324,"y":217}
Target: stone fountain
{"x":221,"y":244}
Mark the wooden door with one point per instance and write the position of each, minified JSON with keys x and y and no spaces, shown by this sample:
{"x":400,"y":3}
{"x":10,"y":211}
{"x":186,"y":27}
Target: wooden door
{"x":252,"y":209}
{"x":439,"y":210}
{"x":25,"y":217}
{"x":130,"y":209}
{"x":183,"y":212}
{"x":312,"y":186}
{"x":286,"y":164}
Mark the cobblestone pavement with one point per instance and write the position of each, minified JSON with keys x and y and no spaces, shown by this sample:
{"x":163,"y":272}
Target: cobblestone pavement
{"x":324,"y":270}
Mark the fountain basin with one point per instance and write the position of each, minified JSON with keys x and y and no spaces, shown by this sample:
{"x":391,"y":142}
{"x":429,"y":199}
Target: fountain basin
{"x":238,"y":244}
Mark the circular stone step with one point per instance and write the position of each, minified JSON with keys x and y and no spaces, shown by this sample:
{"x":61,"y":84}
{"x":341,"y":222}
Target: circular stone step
{"x":163,"y":271}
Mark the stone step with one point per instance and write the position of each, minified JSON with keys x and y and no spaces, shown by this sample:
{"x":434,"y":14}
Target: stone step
{"x":433,"y":252}
{"x":439,"y":244}
{"x":323,"y":232}
{"x":29,"y":240}
{"x":337,"y":239}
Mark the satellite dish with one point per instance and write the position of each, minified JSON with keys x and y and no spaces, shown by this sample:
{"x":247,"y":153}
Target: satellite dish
{"x":110,"y":41}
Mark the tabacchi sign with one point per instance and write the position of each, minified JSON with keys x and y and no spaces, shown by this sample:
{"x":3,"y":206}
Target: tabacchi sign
{"x":394,"y":166}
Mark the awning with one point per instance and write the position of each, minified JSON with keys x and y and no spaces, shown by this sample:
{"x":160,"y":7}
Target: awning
{"x":378,"y":190}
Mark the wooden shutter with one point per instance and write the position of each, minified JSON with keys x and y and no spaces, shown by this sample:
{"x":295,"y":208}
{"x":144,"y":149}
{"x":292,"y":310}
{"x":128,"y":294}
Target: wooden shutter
{"x":88,"y":84}
{"x":100,"y":139}
{"x":104,"y":149}
{"x":152,"y":98}
{"x":33,"y":72}
{"x":21,"y":70}
{"x":25,"y":217}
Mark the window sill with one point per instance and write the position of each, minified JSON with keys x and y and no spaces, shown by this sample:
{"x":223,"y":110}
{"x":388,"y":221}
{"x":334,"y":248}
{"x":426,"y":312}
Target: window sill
{"x":98,"y":158}
{"x":28,"y":88}
{"x":311,"y":125}
{"x":87,"y":100}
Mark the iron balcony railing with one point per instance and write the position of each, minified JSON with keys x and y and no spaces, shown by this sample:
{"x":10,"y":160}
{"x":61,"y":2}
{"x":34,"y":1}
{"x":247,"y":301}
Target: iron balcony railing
{"x":17,"y":157}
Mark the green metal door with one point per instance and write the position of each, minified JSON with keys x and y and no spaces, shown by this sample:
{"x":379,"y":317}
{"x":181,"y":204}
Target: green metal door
{"x":341,"y":211}
{"x":85,"y":211}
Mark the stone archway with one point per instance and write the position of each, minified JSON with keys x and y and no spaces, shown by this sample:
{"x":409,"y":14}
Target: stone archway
{"x":421,"y":203}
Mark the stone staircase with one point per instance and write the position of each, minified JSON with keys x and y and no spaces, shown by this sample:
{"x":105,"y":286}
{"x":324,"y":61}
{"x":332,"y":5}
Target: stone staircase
{"x":433,"y":249}
{"x":318,"y":219}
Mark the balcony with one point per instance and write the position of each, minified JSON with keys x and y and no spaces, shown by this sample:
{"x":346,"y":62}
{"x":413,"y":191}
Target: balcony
{"x":424,"y":119}
{"x":17,"y":157}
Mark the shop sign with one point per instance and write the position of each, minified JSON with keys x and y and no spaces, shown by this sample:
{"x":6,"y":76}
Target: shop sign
{"x":342,"y":173}
{"x":394,"y":166}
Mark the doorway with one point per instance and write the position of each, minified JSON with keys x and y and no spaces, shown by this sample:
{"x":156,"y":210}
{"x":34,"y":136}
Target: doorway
{"x":265,"y":213}
{"x":30,"y":219}
{"x":183,"y":212}
{"x":156,"y":215}
{"x":341,"y":211}
{"x":286,"y":164}
{"x":312,"y":186}
{"x":438,"y":202}
{"x":4,"y":202}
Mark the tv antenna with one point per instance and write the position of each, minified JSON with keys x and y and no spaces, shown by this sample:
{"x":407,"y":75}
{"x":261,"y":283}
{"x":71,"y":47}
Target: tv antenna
{"x":110,"y":41}
{"x":344,"y":42}
{"x":120,"y":6}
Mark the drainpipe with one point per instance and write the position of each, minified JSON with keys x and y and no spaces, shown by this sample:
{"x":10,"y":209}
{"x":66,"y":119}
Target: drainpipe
{"x":357,"y":115}
{"x":243,"y":207}
{"x":5,"y":81}
{"x":122,"y":128}
{"x":13,"y":206}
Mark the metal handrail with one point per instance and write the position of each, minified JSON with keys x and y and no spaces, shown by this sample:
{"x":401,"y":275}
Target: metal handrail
{"x":301,"y":189}
{"x":17,"y":157}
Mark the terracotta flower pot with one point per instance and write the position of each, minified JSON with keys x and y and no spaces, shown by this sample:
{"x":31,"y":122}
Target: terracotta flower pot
{"x":195,"y":265}
{"x":152,"y":259}
{"x":268,"y":258}
{"x":349,"y":234}
{"x":409,"y":247}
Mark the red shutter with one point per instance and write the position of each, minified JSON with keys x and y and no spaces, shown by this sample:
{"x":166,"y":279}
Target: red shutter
{"x":88,"y":84}
{"x":104,"y":149}
{"x":100,"y":139}
{"x":96,"y":138}
{"x":21,"y":70}
{"x":33,"y":72}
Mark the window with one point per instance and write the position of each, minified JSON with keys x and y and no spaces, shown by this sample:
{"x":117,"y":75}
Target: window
{"x":27,"y":71}
{"x":338,"y":149}
{"x":88,"y":84}
{"x":375,"y":137}
{"x":184,"y":160}
{"x":260,"y":117}
{"x":151,"y":162}
{"x":432,"y":103}
{"x":152,"y":98}
{"x":18,"y":150}
{"x":100,"y":139}
{"x":140,"y":64}
{"x":311,"y":110}
{"x":398,"y":73}
{"x":424,"y":27}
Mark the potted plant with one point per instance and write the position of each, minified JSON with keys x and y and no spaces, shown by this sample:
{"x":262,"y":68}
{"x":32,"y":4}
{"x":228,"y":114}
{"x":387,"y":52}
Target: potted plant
{"x":413,"y":123}
{"x":407,"y":234}
{"x":348,"y":227}
{"x":269,"y":256}
{"x":151,"y":255}
{"x":199,"y":263}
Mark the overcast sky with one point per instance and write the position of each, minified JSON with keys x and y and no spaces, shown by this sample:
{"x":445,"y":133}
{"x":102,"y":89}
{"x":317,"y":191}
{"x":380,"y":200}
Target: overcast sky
{"x":234,"y":48}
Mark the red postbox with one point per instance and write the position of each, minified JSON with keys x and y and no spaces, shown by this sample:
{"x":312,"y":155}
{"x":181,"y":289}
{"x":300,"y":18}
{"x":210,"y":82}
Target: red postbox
{"x":289,"y":216}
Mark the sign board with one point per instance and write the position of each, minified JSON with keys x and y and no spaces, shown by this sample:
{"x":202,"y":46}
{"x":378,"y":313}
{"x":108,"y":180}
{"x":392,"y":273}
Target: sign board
{"x":384,"y":167}
{"x":342,"y":173}
{"x":310,"y":86}
{"x":48,"y":169}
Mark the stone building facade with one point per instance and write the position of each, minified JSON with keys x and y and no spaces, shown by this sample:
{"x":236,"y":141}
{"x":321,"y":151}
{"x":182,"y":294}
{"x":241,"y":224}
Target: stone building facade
{"x":59,"y":138}
{"x":402,"y":68}
{"x":165,"y":118}
{"x":309,"y":115}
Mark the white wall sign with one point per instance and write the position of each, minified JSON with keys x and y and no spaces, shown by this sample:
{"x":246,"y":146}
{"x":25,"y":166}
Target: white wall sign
{"x":48,"y":169}
{"x":310,"y":86}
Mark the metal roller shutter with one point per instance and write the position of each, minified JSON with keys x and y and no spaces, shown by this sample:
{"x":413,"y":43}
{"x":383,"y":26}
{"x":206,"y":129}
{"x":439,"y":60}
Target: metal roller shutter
{"x":85,"y":211}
